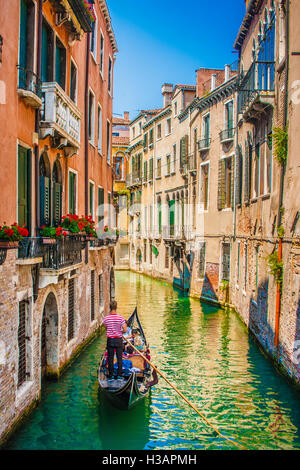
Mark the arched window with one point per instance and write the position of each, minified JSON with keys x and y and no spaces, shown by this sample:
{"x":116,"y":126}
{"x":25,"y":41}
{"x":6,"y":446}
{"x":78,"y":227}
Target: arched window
{"x":45,"y":189}
{"x":119,"y":166}
{"x":57,"y":193}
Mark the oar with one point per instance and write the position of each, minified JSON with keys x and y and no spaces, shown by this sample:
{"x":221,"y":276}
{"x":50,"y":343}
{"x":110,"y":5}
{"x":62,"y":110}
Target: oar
{"x":182,"y":396}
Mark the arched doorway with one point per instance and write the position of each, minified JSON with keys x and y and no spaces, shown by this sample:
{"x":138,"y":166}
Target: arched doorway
{"x":57,"y":193}
{"x":45,"y":189}
{"x":49,"y":337}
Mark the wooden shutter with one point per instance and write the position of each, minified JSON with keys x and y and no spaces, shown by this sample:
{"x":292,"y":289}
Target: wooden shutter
{"x":159,"y":217}
{"x":232,"y":180}
{"x":221,"y":184}
{"x":171,"y":216}
{"x":145,"y":171}
{"x":72,"y":193}
{"x":44,"y":200}
{"x":239,"y":173}
{"x":57,"y":199}
{"x":23,"y":43}
{"x":22,"y":343}
{"x":71,"y":309}
{"x":24,"y":189}
{"x":246,"y":173}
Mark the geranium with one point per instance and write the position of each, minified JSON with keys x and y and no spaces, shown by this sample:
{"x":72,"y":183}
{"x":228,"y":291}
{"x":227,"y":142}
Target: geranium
{"x":71,"y":222}
{"x":13,"y":233}
{"x":52,"y":232}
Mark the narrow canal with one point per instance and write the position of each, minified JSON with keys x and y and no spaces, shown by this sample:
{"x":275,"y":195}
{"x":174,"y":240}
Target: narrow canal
{"x":205,"y":352}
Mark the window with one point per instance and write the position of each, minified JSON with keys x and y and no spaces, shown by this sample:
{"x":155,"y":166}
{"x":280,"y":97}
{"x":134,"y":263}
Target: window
{"x":101,"y":52}
{"x":108,"y":141}
{"x":100,"y":207}
{"x":91,"y":199}
{"x":94,"y":38}
{"x":109,"y":208}
{"x":93,"y":295}
{"x":91,"y":116}
{"x":225,"y":183}
{"x":73,"y":82}
{"x":145,"y":171}
{"x":99,"y":129}
{"x":229,"y":120}
{"x":150,"y":253}
{"x":171,"y":208}
{"x":202,"y":252}
{"x":24,"y":187}
{"x":151,"y":136}
{"x":159,"y":131}
{"x":174,"y":159}
{"x":71,"y":309}
{"x":23,"y":372}
{"x":146,"y":140}
{"x":168,"y":127}
{"x":140,"y":128}
{"x":158,"y":170}
{"x":168,"y":164}
{"x":100,"y":285}
{"x":167,"y":257}
{"x":184,"y":141}
{"x":175,"y":108}
{"x":204,"y":186}
{"x":151,"y":169}
{"x":109,"y":74}
{"x":60,"y":64}
{"x":206,"y":129}
{"x":225,"y":275}
{"x":145,"y":252}
{"x":26,"y":44}
{"x":118,"y":168}
{"x":245,"y":265}
{"x":133,"y":132}
{"x":47,"y":53}
{"x":72,"y":192}
{"x":239,"y":175}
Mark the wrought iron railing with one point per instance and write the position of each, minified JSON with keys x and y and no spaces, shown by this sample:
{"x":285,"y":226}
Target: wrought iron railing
{"x":259,"y":78}
{"x":30,"y":247}
{"x":28,"y":80}
{"x":227,"y":134}
{"x":192,"y":162}
{"x":133,"y":179}
{"x":65,"y":252}
{"x":204,"y":144}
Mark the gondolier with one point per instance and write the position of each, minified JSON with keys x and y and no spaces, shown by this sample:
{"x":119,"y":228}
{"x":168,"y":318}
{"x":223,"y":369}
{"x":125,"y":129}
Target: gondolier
{"x":115,"y":326}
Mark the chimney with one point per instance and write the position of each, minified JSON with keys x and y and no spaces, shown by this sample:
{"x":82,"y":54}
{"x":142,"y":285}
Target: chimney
{"x":213,"y":81}
{"x":126,"y":115}
{"x":227,"y":72}
{"x":167,"y":92}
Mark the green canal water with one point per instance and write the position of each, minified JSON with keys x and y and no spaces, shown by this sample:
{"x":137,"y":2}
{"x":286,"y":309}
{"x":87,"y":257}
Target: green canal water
{"x":205,"y":352}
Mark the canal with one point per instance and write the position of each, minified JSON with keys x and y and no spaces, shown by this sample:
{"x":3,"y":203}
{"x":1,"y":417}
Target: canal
{"x":205,"y":352}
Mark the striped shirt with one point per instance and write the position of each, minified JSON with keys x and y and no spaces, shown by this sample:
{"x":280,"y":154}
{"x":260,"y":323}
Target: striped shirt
{"x":114,"y":323}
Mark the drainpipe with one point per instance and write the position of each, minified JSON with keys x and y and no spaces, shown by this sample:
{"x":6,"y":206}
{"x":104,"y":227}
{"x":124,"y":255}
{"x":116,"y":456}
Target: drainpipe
{"x":282,"y":173}
{"x":37,"y":118}
{"x":86,"y":135}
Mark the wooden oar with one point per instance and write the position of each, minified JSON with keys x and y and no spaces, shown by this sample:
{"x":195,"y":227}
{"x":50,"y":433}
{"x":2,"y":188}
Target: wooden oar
{"x":182,"y":396}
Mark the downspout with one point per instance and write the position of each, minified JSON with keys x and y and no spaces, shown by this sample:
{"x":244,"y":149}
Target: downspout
{"x":282,"y":174}
{"x":37,"y":119}
{"x":86,"y":135}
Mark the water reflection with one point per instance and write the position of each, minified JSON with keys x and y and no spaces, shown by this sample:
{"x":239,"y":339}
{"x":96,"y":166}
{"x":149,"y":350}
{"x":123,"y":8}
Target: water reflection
{"x":205,"y":352}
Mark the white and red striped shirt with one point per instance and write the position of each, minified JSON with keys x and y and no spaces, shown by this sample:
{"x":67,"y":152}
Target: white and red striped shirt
{"x":114,"y":323}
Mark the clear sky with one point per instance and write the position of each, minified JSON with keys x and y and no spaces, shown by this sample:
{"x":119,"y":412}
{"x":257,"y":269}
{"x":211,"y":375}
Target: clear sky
{"x":166,"y":42}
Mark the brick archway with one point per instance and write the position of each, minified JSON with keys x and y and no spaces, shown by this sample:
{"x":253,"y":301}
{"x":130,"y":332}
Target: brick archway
{"x":49,"y":337}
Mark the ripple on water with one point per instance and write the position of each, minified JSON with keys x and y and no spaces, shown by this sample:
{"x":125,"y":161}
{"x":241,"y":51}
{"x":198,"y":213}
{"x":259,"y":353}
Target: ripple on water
{"x":206,"y":353}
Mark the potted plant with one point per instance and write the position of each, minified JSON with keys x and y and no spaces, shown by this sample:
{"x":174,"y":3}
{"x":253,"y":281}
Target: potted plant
{"x":10,"y":235}
{"x":89,"y":228}
{"x":72,"y":224}
{"x":51,"y":234}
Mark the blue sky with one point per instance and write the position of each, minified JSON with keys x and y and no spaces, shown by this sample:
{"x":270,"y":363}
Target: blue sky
{"x":166,"y":42}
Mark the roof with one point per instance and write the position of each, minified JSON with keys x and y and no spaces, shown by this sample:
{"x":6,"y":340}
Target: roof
{"x":186,"y":87}
{"x":145,"y":112}
{"x":250,"y":12}
{"x":116,"y":120}
{"x":120,"y":141}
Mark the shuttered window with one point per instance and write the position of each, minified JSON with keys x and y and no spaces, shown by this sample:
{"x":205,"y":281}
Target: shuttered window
{"x":100,"y":207}
{"x":225,"y":262}
{"x":248,"y":171}
{"x":167,"y":257}
{"x":151,"y":168}
{"x":24,"y":187}
{"x":171,"y":204}
{"x":60,"y":64}
{"x":22,"y":363}
{"x":225,"y":183}
{"x":145,"y":171}
{"x":71,"y":309}
{"x":93,"y":295}
{"x":183,"y":150}
{"x":57,"y":198}
{"x":100,"y":286}
{"x":72,"y":193}
{"x":204,"y":186}
{"x":239,"y":176}
{"x":202,"y":253}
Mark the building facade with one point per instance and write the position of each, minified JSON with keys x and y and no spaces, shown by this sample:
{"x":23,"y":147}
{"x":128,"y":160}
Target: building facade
{"x":56,"y":82}
{"x":214,"y":205}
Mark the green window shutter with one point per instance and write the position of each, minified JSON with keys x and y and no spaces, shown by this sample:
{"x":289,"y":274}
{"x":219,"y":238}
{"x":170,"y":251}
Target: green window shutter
{"x":100,"y":205}
{"x":172,"y":216}
{"x":44,"y":200}
{"x":232,"y":179}
{"x":145,"y":171}
{"x":221,"y":184}
{"x":45,"y":40}
{"x":23,"y":38}
{"x":239,"y":176}
{"x":72,"y":193}
{"x":91,"y":198}
{"x":24,"y":187}
{"x":57,"y":203}
{"x":159,"y":217}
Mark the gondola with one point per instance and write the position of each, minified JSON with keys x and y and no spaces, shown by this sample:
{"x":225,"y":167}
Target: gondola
{"x":136,"y":380}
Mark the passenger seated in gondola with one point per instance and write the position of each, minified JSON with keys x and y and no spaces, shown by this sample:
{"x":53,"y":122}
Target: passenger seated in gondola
{"x":135,"y":339}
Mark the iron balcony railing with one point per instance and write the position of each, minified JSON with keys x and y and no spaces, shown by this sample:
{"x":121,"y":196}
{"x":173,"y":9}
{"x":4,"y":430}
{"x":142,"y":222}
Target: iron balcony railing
{"x":84,"y":12}
{"x":134,"y":179}
{"x":227,"y":134}
{"x":29,"y":81}
{"x":30,"y":247}
{"x":259,"y":78}
{"x":66,"y":252}
{"x":204,"y":144}
{"x":192,"y":162}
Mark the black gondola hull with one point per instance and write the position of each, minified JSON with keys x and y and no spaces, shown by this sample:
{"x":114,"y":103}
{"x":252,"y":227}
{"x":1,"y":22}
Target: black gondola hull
{"x":125,"y":397}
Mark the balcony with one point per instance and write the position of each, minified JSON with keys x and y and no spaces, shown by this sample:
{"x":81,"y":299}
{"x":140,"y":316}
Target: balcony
{"x":61,"y":119}
{"x":84,"y":13}
{"x":204,"y":144}
{"x":29,"y":88}
{"x":256,"y":90}
{"x":177,"y":232}
{"x":192,"y":163}
{"x":227,"y":135}
{"x":30,"y":251}
{"x":134,"y":179}
{"x":77,"y":15}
